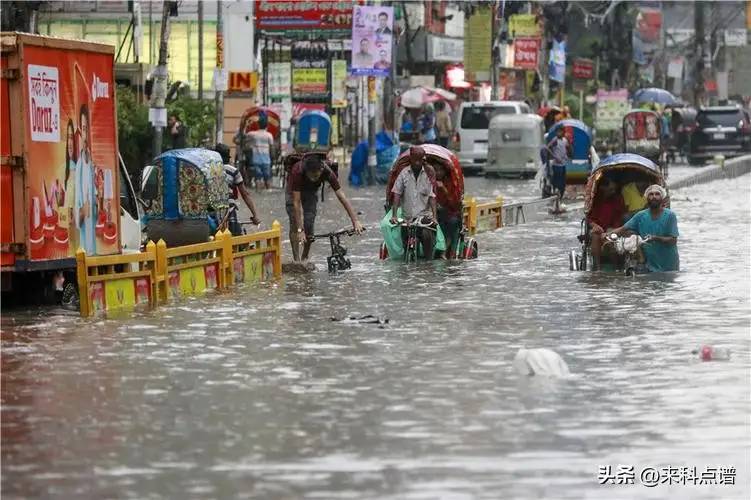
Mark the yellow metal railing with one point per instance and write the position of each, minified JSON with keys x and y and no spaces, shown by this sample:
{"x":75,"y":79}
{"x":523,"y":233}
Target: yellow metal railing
{"x":481,"y":217}
{"x":159,"y":274}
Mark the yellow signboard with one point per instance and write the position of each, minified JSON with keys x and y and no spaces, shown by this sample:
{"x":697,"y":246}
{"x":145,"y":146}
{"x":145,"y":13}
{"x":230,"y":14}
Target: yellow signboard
{"x":523,"y":25}
{"x":309,"y":80}
{"x":242,"y":81}
{"x":338,"y":83}
{"x":477,"y":44}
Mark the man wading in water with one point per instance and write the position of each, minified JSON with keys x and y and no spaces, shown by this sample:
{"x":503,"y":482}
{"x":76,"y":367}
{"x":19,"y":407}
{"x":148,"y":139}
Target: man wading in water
{"x":303,"y":182}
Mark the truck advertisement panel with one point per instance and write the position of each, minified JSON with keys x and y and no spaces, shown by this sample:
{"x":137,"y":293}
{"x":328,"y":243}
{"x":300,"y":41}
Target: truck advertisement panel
{"x":71,"y":153}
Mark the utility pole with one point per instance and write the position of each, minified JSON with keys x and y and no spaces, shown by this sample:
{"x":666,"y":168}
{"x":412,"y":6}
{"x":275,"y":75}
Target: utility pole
{"x":219,"y":98}
{"x":699,"y":53}
{"x":200,"y":51}
{"x":372,"y":161}
{"x":159,"y":93}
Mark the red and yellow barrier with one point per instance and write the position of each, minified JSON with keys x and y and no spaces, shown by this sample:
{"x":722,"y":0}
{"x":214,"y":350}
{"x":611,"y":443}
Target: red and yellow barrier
{"x":159,"y":274}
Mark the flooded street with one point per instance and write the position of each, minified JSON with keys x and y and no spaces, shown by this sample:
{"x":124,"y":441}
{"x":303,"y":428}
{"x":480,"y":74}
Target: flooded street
{"x":257,"y":393}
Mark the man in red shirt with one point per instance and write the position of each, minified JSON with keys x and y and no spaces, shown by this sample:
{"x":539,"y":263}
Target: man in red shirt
{"x":303,"y":182}
{"x":607,"y":213}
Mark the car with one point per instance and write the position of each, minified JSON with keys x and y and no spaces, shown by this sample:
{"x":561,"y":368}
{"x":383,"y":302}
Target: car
{"x":470,"y":140}
{"x":720,"y":130}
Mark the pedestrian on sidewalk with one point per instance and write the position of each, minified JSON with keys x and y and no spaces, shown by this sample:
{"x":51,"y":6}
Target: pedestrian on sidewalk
{"x":443,"y":124}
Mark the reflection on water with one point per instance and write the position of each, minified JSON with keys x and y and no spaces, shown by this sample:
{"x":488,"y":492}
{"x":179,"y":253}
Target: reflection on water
{"x":258,"y":393}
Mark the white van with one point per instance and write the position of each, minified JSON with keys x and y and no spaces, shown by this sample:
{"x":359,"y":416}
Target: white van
{"x":471,"y":137}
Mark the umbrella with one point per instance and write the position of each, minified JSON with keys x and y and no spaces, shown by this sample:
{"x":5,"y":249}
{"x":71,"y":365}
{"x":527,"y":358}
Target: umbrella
{"x":416,"y":97}
{"x":660,"y":96}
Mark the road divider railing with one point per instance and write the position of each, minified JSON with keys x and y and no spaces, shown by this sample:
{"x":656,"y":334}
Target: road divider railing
{"x":481,"y":217}
{"x":159,"y":274}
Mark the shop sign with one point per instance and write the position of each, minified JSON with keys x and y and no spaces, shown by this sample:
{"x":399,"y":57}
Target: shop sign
{"x":279,"y":79}
{"x":477,"y":43}
{"x":583,"y":69}
{"x":279,"y":15}
{"x":242,"y":81}
{"x":445,"y":49}
{"x":523,"y":25}
{"x":338,"y":83}
{"x":526,"y":53}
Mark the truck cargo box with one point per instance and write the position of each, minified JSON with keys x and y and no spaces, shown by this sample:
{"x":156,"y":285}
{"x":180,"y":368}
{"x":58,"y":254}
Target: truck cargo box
{"x":58,"y":176}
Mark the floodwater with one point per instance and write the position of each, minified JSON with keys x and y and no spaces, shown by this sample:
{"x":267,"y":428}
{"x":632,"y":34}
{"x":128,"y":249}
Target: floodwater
{"x":259,"y":394}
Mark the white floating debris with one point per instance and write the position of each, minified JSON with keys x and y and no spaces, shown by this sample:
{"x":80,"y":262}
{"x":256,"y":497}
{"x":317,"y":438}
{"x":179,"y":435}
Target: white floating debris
{"x":540,"y":362}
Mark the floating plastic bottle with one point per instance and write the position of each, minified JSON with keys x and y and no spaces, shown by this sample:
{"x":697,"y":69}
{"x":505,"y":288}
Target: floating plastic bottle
{"x":712,"y":353}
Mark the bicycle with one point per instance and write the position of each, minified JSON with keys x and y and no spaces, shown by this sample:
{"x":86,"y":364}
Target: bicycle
{"x":337,"y":261}
{"x":412,"y":245}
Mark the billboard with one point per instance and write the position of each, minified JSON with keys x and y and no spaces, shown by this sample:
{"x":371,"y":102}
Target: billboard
{"x":296,"y":15}
{"x":477,"y":44}
{"x":372,"y":34}
{"x":338,"y":83}
{"x":612,"y":106}
{"x":71,"y":143}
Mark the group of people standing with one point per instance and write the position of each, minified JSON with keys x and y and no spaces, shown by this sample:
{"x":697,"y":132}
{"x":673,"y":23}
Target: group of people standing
{"x":432,"y":124}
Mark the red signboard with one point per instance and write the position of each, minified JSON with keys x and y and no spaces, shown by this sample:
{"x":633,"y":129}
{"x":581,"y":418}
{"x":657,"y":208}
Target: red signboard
{"x":526,"y":53}
{"x":281,"y":15}
{"x":583,"y":69}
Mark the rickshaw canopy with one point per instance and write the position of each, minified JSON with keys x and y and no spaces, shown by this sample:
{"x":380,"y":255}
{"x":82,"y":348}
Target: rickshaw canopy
{"x":434,"y":155}
{"x":578,"y":133}
{"x":629,"y":166}
{"x":249,"y":120}
{"x":642,"y":133}
{"x":313,"y":131}
{"x":188,"y":182}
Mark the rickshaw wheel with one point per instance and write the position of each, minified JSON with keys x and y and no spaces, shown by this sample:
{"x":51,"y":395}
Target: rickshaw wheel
{"x":573,"y":261}
{"x":583,"y":261}
{"x":383,"y":252}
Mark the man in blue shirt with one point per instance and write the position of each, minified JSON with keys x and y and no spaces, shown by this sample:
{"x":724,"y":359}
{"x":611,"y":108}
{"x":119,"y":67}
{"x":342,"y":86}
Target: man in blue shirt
{"x":660,"y":223}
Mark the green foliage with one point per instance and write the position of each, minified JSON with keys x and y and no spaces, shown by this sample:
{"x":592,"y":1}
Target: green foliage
{"x":199,"y":117}
{"x":134,"y":132}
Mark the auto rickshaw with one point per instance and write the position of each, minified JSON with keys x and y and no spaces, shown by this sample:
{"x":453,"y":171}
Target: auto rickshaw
{"x":623,"y":168}
{"x":642,"y":135}
{"x":514,"y":143}
{"x":186,"y":196}
{"x":580,"y":164}
{"x":312,"y":136}
{"x":465,"y":247}
{"x":248,"y":123}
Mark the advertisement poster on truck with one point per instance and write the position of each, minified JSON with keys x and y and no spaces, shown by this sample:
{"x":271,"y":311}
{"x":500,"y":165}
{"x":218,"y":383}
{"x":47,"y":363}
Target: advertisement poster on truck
{"x":71,"y":144}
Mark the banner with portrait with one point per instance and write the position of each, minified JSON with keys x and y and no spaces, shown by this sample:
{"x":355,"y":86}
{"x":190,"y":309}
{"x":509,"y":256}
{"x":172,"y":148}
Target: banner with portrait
{"x":372,"y":36}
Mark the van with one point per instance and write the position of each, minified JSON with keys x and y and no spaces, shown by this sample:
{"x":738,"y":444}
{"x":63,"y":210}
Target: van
{"x":471,"y":137}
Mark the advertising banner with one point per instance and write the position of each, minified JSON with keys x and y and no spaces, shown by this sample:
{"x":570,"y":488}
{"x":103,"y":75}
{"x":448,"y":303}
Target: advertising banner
{"x":526,"y":53}
{"x":557,"y":68}
{"x":477,"y":43}
{"x":280,"y":80}
{"x":523,"y":25}
{"x":372,"y":32}
{"x":74,"y":194}
{"x":296,"y":15}
{"x":646,"y":36}
{"x":338,"y":83}
{"x":612,"y":106}
{"x":310,"y":70}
